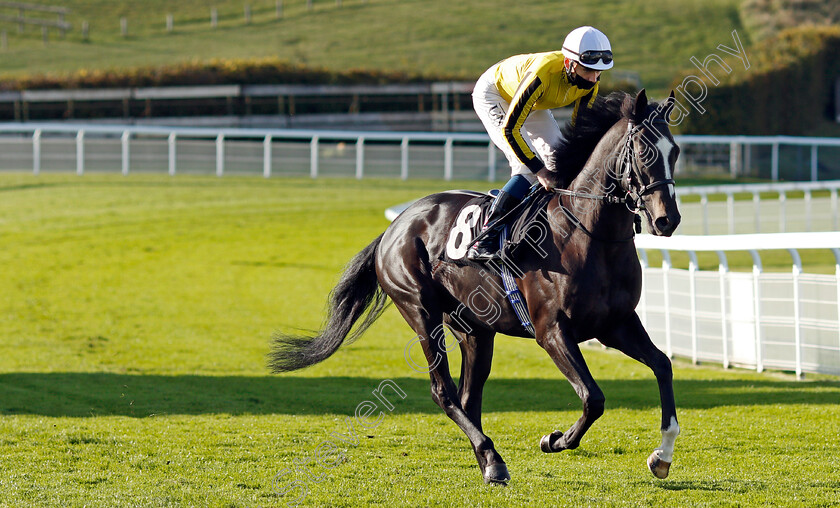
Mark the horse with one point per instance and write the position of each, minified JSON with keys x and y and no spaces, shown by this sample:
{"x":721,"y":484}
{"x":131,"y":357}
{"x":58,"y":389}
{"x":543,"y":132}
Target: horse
{"x":581,"y":280}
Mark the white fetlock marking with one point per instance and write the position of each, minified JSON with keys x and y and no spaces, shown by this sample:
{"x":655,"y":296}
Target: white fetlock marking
{"x":665,"y":452}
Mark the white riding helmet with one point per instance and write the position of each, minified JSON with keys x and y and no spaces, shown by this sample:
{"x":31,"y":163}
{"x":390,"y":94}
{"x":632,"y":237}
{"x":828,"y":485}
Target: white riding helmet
{"x":589,"y":47}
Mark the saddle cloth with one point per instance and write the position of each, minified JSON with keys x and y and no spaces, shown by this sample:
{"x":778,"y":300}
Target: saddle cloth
{"x":529,"y":224}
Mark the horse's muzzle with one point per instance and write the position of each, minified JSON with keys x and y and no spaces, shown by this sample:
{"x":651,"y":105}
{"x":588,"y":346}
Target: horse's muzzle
{"x":665,"y":225}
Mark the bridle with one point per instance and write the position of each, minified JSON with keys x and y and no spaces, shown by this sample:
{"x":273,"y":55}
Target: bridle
{"x":633,"y":194}
{"x":630,"y":162}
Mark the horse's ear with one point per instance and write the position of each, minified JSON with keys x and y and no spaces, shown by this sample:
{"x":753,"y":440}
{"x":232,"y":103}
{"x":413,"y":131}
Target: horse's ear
{"x":640,"y":109}
{"x":670,"y":102}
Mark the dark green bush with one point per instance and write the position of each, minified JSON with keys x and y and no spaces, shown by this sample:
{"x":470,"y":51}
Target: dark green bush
{"x":789,"y":85}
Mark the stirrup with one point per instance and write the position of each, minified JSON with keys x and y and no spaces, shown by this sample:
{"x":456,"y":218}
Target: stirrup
{"x":486,"y":249}
{"x":474,"y":254}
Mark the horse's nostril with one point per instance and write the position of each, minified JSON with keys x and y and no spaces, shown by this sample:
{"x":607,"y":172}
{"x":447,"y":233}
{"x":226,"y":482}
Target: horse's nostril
{"x":662,"y":223}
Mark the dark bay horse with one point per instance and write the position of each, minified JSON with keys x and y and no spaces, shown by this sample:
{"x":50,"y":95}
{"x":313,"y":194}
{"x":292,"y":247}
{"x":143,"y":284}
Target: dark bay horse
{"x":581,"y":279}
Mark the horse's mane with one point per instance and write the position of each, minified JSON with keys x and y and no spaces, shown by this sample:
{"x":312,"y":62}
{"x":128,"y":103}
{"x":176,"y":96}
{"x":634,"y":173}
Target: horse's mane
{"x":592,"y":123}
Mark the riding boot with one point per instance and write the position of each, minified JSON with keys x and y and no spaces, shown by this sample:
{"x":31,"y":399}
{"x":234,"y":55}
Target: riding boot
{"x":486,"y":248}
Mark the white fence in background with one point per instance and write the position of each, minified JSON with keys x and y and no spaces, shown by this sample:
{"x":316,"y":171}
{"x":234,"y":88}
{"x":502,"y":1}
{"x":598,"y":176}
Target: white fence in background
{"x":721,"y":209}
{"x":44,"y":147}
{"x":759,"y":208}
{"x":787,"y":321}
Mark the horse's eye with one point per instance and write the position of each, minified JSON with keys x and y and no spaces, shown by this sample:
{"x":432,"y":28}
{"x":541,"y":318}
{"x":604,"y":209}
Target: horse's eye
{"x":646,"y":157}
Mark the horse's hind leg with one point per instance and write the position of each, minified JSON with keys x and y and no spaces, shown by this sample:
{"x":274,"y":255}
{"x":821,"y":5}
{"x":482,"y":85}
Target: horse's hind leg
{"x":568,"y":358}
{"x":425,"y":317}
{"x":632,"y":339}
{"x":476,"y":361}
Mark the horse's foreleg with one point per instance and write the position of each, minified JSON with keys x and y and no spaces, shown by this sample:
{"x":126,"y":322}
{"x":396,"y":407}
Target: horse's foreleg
{"x":568,"y":358}
{"x":632,"y":339}
{"x":426,"y":320}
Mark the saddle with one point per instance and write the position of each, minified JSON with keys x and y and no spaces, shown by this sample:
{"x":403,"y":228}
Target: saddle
{"x":529,"y":227}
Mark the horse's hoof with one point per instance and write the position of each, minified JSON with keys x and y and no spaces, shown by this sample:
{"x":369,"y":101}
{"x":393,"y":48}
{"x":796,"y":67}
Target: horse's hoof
{"x":545,"y":441}
{"x":658,"y":467}
{"x":496,"y":473}
{"x":545,"y":444}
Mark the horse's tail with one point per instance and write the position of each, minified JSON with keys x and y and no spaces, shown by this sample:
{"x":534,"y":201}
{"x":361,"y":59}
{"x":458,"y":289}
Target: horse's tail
{"x":357,"y":291}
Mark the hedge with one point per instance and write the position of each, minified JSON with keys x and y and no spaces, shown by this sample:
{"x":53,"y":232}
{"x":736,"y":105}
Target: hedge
{"x":789,"y":84}
{"x":213,"y":72}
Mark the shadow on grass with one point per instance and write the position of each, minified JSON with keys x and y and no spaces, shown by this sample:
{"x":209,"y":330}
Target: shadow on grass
{"x":711,"y":486}
{"x":98,"y":394}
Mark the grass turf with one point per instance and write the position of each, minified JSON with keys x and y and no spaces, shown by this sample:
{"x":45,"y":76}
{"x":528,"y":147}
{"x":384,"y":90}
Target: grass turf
{"x":135,"y":317}
{"x":655,"y":39}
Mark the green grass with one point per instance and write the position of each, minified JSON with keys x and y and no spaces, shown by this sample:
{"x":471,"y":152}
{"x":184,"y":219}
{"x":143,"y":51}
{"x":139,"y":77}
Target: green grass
{"x":655,"y":39}
{"x":135,"y":317}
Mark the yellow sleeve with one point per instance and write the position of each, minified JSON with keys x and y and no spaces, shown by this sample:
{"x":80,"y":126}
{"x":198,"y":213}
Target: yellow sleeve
{"x":530,"y":89}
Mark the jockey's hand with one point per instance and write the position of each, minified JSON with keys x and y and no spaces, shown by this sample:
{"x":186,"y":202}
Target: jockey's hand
{"x":550,"y":180}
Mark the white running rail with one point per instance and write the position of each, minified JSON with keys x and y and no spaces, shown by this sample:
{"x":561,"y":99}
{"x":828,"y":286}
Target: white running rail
{"x":757,"y":319}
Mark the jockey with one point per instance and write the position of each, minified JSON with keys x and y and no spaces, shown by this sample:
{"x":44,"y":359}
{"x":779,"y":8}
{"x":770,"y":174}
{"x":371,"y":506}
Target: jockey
{"x":516,"y":94}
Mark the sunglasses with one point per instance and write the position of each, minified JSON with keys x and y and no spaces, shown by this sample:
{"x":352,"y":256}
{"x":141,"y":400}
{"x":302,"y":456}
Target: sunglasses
{"x":592,"y":57}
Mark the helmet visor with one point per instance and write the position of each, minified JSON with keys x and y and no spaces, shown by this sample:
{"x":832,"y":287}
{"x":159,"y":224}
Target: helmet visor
{"x":592,"y":57}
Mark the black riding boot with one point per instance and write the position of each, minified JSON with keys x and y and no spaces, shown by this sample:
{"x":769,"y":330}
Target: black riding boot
{"x":487,"y":247}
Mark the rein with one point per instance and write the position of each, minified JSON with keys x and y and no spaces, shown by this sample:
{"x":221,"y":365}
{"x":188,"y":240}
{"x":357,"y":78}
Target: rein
{"x":578,"y":224}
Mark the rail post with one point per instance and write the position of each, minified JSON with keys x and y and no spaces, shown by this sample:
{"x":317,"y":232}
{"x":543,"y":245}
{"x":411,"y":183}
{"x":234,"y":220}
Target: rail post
{"x":267,"y":156}
{"x":692,"y":285}
{"x":797,"y":310}
{"x":220,"y":155}
{"x":126,"y":155}
{"x":666,"y":287}
{"x":171,"y":142}
{"x":80,"y":152}
{"x":36,"y":151}
{"x":759,"y":345}
{"x":404,"y":159}
{"x":447,"y":159}
{"x":313,"y":157}
{"x":723,"y":270}
{"x":782,"y":211}
{"x":807,"y":198}
{"x":730,"y":212}
{"x":360,"y":157}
